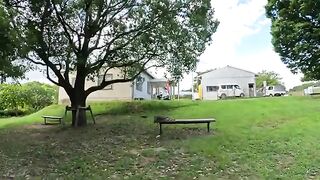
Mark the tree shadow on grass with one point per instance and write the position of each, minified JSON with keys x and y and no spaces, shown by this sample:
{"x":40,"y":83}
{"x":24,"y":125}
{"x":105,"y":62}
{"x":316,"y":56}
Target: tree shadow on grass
{"x":116,"y":145}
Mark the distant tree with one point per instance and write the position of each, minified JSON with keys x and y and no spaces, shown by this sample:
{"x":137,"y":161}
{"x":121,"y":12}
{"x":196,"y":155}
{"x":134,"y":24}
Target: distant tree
{"x":272,"y":78}
{"x":38,"y":95}
{"x":296,"y":34}
{"x":89,"y":38}
{"x":11,"y":96}
{"x":8,"y":49}
{"x":32,"y":95}
{"x":307,"y":77}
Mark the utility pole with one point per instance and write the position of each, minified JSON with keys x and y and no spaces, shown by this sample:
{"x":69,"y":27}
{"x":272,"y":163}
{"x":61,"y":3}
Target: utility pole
{"x":192,"y":90}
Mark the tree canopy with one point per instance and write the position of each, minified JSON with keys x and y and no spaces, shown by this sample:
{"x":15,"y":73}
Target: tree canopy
{"x":8,"y":48}
{"x":272,"y":78}
{"x":91,"y":37}
{"x":296,"y":34}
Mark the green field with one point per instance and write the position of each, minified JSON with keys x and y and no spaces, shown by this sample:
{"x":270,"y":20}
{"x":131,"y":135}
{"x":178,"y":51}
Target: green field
{"x":263,"y":138}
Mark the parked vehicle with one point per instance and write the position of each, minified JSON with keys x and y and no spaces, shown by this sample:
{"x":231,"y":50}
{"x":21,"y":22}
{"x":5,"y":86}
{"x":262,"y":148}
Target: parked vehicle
{"x":163,"y":96}
{"x":312,"y":90}
{"x":277,"y":90}
{"x":226,"y":90}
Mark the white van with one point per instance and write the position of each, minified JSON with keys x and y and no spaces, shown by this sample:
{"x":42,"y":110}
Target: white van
{"x":278,"y":90}
{"x":226,"y":90}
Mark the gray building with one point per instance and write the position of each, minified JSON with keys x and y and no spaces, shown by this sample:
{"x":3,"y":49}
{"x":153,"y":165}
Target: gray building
{"x":227,"y":76}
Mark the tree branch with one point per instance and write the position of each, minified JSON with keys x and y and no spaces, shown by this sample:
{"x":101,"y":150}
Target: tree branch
{"x":65,"y":28}
{"x":105,"y":83}
{"x":50,"y":79}
{"x":35,"y":62}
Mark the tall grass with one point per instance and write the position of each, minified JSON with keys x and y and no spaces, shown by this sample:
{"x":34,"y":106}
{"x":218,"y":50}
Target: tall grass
{"x":98,"y":108}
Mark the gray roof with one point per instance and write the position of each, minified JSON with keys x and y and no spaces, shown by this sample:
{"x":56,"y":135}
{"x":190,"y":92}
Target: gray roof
{"x":210,"y":70}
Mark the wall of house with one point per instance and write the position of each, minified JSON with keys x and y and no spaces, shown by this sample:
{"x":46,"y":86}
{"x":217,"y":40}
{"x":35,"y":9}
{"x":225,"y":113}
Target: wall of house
{"x":144,"y":92}
{"x":229,"y":75}
{"x":118,"y":91}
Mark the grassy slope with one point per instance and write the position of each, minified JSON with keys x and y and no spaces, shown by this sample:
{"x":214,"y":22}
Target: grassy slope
{"x":99,"y":108}
{"x":32,"y":118}
{"x":268,"y":137}
{"x":272,"y":138}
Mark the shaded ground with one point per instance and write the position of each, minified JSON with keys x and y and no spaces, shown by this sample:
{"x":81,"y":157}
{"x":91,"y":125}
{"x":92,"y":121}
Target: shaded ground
{"x":117,"y":148}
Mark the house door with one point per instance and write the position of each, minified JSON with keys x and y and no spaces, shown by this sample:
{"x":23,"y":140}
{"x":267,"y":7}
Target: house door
{"x":251,"y":89}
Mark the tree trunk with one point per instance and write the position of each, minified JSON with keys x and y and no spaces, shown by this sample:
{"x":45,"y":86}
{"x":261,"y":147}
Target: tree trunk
{"x":78,"y":115}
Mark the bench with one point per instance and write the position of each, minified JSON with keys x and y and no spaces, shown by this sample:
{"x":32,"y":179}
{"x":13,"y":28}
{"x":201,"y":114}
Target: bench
{"x":52,"y":118}
{"x":161,"y":120}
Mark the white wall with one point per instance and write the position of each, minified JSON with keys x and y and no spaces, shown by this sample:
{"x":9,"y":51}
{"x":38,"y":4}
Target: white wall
{"x":228,"y":75}
{"x":209,"y":95}
{"x":119,"y":91}
{"x":144,"y":94}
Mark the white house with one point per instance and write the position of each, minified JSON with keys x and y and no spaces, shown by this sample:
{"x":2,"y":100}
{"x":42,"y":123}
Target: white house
{"x":143,"y":87}
{"x":229,"y":76}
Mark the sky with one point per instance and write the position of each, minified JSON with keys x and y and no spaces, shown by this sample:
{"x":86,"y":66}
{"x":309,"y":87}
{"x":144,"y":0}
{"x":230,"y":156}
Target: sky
{"x":242,"y":40}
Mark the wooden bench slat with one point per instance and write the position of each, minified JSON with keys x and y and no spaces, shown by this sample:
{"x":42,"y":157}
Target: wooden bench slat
{"x":52,"y":117}
{"x":187,"y":121}
{"x":208,"y":119}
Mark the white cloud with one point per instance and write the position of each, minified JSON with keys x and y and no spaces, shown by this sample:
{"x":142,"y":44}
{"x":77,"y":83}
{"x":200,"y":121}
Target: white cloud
{"x":36,"y":76}
{"x":238,"y":21}
{"x":268,"y":60}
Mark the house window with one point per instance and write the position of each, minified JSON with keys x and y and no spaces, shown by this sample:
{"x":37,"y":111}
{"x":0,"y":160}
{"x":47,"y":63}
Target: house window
{"x":148,"y":87}
{"x":108,"y":77}
{"x":212,"y":88}
{"x":139,"y":83}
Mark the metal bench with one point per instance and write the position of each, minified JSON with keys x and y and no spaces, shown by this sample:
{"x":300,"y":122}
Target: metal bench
{"x":161,"y":121}
{"x":52,"y":118}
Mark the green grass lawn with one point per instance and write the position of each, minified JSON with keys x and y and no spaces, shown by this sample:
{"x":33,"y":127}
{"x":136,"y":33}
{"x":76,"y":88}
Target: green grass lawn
{"x":263,"y":138}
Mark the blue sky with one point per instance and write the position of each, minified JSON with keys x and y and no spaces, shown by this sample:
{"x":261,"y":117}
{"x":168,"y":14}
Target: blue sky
{"x":255,"y":42}
{"x":242,"y":40}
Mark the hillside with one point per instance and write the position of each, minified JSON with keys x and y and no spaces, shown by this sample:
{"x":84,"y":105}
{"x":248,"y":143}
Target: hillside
{"x":261,"y":138}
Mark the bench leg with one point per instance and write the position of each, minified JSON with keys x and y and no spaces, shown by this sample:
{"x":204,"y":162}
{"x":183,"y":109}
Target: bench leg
{"x":45,"y":121}
{"x":208,"y":127}
{"x":160,"y":128}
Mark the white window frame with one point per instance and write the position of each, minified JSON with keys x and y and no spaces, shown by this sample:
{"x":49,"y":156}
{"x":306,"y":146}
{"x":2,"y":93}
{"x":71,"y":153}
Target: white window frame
{"x":108,"y":77}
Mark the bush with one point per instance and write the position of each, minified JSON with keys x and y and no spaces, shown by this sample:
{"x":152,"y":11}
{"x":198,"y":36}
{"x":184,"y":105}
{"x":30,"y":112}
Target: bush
{"x":31,"y":96}
{"x":11,"y":96}
{"x":12,"y":112}
{"x":39,"y":95}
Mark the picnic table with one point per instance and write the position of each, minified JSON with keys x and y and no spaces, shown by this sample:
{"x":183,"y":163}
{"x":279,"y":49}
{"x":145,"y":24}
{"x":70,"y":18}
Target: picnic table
{"x":166,"y":120}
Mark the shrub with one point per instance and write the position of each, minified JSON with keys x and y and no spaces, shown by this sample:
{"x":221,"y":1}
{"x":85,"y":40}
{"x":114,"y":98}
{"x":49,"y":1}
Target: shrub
{"x":39,"y":95}
{"x":11,"y":96}
{"x":12,"y":112}
{"x":31,"y":96}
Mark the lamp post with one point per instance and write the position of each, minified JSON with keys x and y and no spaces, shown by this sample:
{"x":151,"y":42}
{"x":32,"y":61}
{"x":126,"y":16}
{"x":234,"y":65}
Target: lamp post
{"x":192,"y":88}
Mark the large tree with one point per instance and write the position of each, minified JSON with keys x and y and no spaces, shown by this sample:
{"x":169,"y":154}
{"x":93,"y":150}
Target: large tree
{"x":271,"y":78}
{"x":296,"y":34}
{"x":8,"y":48}
{"x":91,"y":37}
